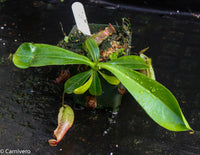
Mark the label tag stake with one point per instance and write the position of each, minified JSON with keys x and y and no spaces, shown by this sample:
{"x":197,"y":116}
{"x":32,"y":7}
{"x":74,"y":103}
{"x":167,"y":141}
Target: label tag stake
{"x":80,"y":18}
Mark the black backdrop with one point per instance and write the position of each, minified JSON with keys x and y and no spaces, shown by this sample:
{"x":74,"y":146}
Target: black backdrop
{"x":184,"y":5}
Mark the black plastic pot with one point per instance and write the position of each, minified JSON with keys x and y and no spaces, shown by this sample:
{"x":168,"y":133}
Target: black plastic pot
{"x":110,"y":98}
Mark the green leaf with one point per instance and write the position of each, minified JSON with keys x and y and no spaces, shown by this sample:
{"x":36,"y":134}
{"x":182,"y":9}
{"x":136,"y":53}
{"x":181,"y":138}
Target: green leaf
{"x":82,"y":89}
{"x":35,"y":55}
{"x":130,"y":61}
{"x":91,"y":46}
{"x":95,"y":88}
{"x":110,"y":79}
{"x":76,"y":81}
{"x":159,"y":103}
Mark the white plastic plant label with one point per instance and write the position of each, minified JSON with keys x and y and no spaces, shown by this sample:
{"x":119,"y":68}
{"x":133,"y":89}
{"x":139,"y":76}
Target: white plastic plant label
{"x":80,"y":18}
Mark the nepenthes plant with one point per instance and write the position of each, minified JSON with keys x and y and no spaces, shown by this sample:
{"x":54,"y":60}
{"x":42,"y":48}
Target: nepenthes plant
{"x":101,"y":70}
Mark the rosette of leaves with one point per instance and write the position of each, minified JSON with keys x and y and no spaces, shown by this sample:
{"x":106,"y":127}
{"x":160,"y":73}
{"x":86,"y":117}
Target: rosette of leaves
{"x":157,"y":101}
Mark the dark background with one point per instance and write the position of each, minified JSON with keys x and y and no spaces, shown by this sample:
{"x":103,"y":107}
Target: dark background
{"x":29,"y":101}
{"x":183,"y":5}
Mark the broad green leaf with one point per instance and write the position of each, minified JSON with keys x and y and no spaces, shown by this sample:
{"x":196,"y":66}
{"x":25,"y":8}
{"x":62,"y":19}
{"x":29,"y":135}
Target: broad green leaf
{"x":159,"y":103}
{"x":130,"y":61}
{"x":82,"y":89}
{"x":76,"y":81}
{"x":110,"y":79}
{"x":95,"y":88}
{"x":35,"y":55}
{"x":91,"y":46}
